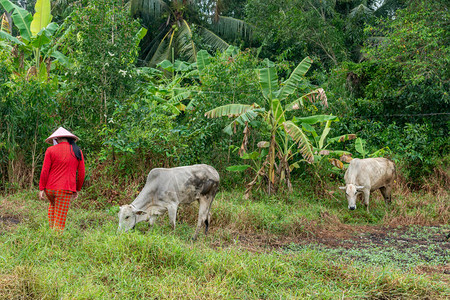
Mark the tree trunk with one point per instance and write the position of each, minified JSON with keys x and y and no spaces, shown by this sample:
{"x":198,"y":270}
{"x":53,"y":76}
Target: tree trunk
{"x":271,"y":185}
{"x":33,"y":156}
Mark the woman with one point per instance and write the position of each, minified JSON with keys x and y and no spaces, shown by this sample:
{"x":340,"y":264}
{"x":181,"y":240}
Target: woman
{"x":59,"y":179}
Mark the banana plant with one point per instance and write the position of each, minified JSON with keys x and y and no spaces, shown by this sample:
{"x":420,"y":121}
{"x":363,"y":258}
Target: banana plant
{"x":37,"y":36}
{"x":361,"y":148}
{"x":256,"y":157}
{"x":285,"y":135}
{"x":321,"y":143}
{"x":172,"y":90}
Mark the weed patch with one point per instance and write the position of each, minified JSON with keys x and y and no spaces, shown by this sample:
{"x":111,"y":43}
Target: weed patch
{"x":24,"y":283}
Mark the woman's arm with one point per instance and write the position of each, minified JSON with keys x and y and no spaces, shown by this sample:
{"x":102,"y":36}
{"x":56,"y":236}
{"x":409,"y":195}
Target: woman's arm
{"x":81,"y":173}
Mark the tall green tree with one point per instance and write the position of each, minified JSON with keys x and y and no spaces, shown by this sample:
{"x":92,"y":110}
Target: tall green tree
{"x":175,"y":25}
{"x":401,"y":88}
{"x":407,"y":66}
{"x":104,"y":47}
{"x":331,"y":31}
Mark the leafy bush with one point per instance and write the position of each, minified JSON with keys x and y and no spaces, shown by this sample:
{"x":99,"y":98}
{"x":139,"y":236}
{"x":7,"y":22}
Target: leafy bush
{"x":398,"y":96}
{"x":28,"y":115}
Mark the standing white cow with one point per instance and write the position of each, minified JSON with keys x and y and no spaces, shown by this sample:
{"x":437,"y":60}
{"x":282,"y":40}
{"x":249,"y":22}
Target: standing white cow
{"x":364,"y":176}
{"x":165,"y":189}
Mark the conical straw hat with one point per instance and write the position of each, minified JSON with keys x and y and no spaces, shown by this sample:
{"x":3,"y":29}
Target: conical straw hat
{"x":60,"y":132}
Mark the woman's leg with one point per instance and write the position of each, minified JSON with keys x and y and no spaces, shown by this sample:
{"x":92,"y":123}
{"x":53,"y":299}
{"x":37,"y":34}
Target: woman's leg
{"x":62,"y":202}
{"x":51,"y":207}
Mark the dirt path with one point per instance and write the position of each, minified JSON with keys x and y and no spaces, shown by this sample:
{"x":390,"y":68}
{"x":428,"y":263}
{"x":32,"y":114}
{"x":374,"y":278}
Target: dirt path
{"x":426,"y":249}
{"x":7,"y":222}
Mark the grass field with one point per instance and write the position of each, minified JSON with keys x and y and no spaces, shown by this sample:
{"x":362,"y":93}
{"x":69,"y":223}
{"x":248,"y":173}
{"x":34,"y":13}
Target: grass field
{"x":297,"y":247}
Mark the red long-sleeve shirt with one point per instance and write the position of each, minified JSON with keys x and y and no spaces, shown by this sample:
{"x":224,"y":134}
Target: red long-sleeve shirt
{"x":59,"y":171}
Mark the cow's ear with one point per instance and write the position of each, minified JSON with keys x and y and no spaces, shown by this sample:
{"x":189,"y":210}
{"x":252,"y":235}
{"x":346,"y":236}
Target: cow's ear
{"x":139,"y":212}
{"x":359,"y":187}
{"x":342,"y":187}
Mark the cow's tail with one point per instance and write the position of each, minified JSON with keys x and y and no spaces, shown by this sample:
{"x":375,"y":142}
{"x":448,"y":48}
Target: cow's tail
{"x":208,"y":216}
{"x":213,"y":193}
{"x":395,"y":171}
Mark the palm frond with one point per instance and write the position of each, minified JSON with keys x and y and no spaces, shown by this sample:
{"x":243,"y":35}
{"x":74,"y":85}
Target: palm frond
{"x":149,"y":48}
{"x":233,"y":28}
{"x":360,"y":10}
{"x":301,"y":139}
{"x":213,"y":40}
{"x":163,"y":51}
{"x":388,"y":7}
{"x":184,"y":44}
{"x":148,"y":10}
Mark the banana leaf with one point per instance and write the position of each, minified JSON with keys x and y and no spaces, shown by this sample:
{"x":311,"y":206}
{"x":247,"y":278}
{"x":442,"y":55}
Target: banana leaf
{"x":314,"y":119}
{"x":268,"y":80}
{"x":21,"y":18}
{"x":42,"y":16}
{"x":301,"y":139}
{"x":292,"y":83}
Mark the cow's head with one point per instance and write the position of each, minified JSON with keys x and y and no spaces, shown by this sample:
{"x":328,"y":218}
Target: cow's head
{"x":129,"y":217}
{"x":351,"y":192}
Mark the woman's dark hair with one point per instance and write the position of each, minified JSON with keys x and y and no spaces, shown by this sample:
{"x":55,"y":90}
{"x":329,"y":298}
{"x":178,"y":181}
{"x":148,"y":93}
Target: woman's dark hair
{"x":75,"y":148}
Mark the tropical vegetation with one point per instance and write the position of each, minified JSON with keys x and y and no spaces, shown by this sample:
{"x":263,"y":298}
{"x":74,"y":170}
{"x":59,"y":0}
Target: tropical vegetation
{"x":278,"y":96}
{"x":139,"y":82}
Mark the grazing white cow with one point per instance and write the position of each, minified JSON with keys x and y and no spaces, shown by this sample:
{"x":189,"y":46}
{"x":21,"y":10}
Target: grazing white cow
{"x":165,"y":189}
{"x":364,"y":176}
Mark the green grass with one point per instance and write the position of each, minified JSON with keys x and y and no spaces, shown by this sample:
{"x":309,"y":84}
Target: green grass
{"x":91,"y":261}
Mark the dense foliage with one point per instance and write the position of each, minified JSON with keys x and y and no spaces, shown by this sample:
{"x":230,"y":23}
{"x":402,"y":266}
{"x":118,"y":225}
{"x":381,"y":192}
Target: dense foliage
{"x":103,"y":43}
{"x":383,"y":66}
{"x":398,"y":96}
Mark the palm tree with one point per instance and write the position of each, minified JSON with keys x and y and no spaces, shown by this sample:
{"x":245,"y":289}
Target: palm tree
{"x":176,"y":26}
